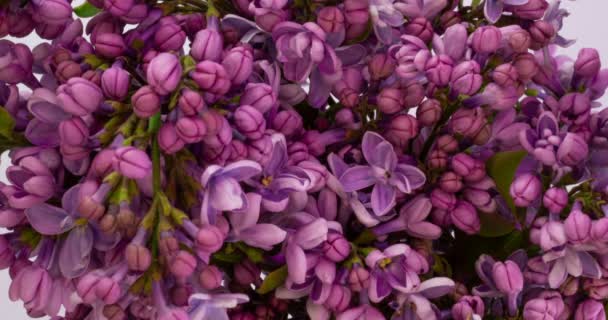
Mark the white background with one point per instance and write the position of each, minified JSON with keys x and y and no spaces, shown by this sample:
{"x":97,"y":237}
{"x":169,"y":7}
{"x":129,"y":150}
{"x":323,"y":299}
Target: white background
{"x":586,"y":24}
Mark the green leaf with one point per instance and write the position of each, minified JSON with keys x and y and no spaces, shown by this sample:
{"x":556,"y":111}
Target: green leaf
{"x":494,"y":225}
{"x":475,"y":3}
{"x":86,"y":10}
{"x":256,"y":255}
{"x":7,"y":123}
{"x":501,"y":167}
{"x":273,"y":280}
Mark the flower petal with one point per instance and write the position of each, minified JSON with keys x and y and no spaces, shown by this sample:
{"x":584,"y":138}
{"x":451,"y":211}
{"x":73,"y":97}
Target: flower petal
{"x":493,"y":10}
{"x":383,"y":198}
{"x":76,"y":252}
{"x":296,"y":263}
{"x":226,"y":194}
{"x":49,"y":220}
{"x":436,"y":287}
{"x":357,"y":178}
{"x":263,"y":236}
{"x":242,"y":170}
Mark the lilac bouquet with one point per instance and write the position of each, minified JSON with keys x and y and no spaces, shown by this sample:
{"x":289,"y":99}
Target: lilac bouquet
{"x":275,"y":159}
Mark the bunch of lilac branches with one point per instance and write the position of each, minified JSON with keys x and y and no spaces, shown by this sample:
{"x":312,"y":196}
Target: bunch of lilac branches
{"x":298,"y":159}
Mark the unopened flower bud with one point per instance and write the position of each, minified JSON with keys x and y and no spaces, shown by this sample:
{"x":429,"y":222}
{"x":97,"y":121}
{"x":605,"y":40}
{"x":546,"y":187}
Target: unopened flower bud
{"x":486,"y":39}
{"x":132,"y":162}
{"x":525,"y":189}
{"x":555,"y":199}
{"x":138,"y":257}
{"x":146,"y":102}
{"x":429,"y":112}
{"x":464,"y":216}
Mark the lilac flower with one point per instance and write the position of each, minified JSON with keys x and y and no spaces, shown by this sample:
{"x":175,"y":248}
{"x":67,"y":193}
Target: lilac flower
{"x":384,"y":173}
{"x":411,"y":219}
{"x":311,"y":234}
{"x":493,"y":8}
{"x":213,"y":306}
{"x":416,"y":304}
{"x":222,"y":191}
{"x":385,"y":17}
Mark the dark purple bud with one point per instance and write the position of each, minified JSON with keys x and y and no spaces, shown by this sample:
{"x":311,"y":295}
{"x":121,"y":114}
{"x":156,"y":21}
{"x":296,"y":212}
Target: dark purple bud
{"x":486,"y":39}
{"x":420,"y":27}
{"x":575,"y":108}
{"x":438,"y":159}
{"x":73,"y":132}
{"x":450,"y":182}
{"x":250,"y":122}
{"x":464,"y":216}
{"x":211,"y":77}
{"x":191,"y":129}
{"x":132,"y":162}
{"x":247,"y":273}
{"x":210,"y":278}
{"x":115,"y":83}
{"x":138,"y":257}
{"x":429,"y":112}
{"x":145,"y":102}
{"x":402,"y":129}
{"x":508,"y":277}
{"x":541,"y":32}
{"x":590,"y":310}
{"x":390,"y":100}
{"x":520,"y":41}
{"x":331,"y":20}
{"x":588,"y":63}
{"x":53,"y":12}
{"x":466,"y":78}
{"x":67,"y":70}
{"x":533,"y":10}
{"x":525,"y":189}
{"x":467,"y":122}
{"x":238,"y":63}
{"x":505,"y":75}
{"x":555,"y":199}
{"x":79,"y":97}
{"x":164,"y":73}
{"x":443,"y":200}
{"x":439,"y":69}
{"x":597,"y":288}
{"x":413,"y":93}
{"x":118,"y":7}
{"x":169,"y":37}
{"x":260,"y":96}
{"x":447,"y":144}
{"x":573,"y":150}
{"x":183,"y":264}
{"x":190,"y":102}
{"x":381,"y":66}
{"x":110,"y":45}
{"x":17,"y":62}
{"x":547,"y":306}
{"x":345,"y":118}
{"x":288,"y":122}
{"x":526,"y":65}
{"x":114,"y":312}
{"x":578,"y":227}
{"x":470,"y":169}
{"x":449,"y":18}
{"x":208,"y":43}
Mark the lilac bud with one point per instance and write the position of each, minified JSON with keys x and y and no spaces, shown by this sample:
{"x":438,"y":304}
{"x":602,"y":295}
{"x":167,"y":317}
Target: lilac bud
{"x":401,"y":129}
{"x":164,"y":73}
{"x":191,"y":129}
{"x":250,"y":122}
{"x":520,"y":41}
{"x":438,"y":159}
{"x":168,"y":139}
{"x":467,"y":122}
{"x":450,"y":182}
{"x":588,"y":63}
{"x":599,"y":230}
{"x":108,"y":290}
{"x":138,"y":257}
{"x":183,"y":264}
{"x":573,"y":150}
{"x":413,"y":93}
{"x":207,"y":45}
{"x":468,"y":168}
{"x":210,"y":239}
{"x":597,"y":288}
{"x":590,"y":310}
{"x":73,"y":132}
{"x":547,"y":306}
{"x":110,"y":45}
{"x":532,"y":10}
{"x":420,"y":27}
{"x":439,"y":69}
{"x":525,"y":189}
{"x":578,"y":227}
{"x":115,"y":83}
{"x":146,"y":102}
{"x":526,"y":65}
{"x":190,"y":102}
{"x":238,"y":63}
{"x":381,"y":66}
{"x":443,"y":200}
{"x":552,"y":235}
{"x":132,"y":162}
{"x":505,"y":75}
{"x":86,"y":287}
{"x":555,"y":199}
{"x":575,"y":108}
{"x":210,"y":278}
{"x":464,"y":216}
{"x":390,"y":100}
{"x":169,"y":37}
{"x":429,"y":112}
{"x":542,"y":32}
{"x":288,"y":122}
{"x":358,"y":278}
{"x":17,"y":62}
{"x":7,"y":256}
{"x":336,"y":248}
{"x":466,"y":78}
{"x":211,"y":77}
{"x":260,"y":96}
{"x":356,"y":11}
{"x":79,"y":97}
{"x":486,"y":39}
{"x":247,"y":273}
{"x":331,"y":20}
{"x":508,"y":277}
{"x":118,"y":7}
{"x":467,"y":307}
{"x":67,"y":70}
{"x":449,"y":18}
{"x":338,"y":299}
{"x":447,"y":144}
{"x":260,"y":150}
{"x":345,"y":118}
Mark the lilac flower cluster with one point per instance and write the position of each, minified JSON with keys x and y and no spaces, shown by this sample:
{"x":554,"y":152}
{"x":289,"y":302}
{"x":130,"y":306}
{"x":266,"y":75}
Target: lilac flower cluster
{"x":274,"y":159}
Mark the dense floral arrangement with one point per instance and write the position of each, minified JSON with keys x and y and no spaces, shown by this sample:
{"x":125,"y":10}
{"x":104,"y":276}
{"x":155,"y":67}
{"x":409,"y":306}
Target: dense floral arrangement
{"x":275,"y":159}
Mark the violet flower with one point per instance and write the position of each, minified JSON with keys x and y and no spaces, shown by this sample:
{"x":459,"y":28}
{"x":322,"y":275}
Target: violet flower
{"x":214,"y":306}
{"x":493,"y":8}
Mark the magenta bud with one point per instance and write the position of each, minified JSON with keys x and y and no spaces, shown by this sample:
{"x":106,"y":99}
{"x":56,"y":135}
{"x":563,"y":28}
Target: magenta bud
{"x":464,"y":216}
{"x":578,"y":227}
{"x":247,"y":273}
{"x":438,"y":159}
{"x":402,"y":129}
{"x":532,"y":10}
{"x":210,"y":278}
{"x":573,"y":150}
{"x":552,"y":235}
{"x":450,"y":182}
{"x":168,"y":139}
{"x":486,"y":39}
{"x":468,"y":307}
{"x":345,"y":118}
{"x":356,"y":11}
{"x":7,"y":256}
{"x":358,"y":278}
{"x":108,"y":291}
{"x":190,"y":102}
{"x":169,"y":37}
{"x":260,"y":96}
{"x":132,"y":162}
{"x":164,"y":73}
{"x":191,"y":129}
{"x":17,"y":62}
{"x":86,"y":287}
{"x":520,"y":41}
{"x":183,"y":264}
{"x":420,"y":27}
{"x":429,"y":112}
{"x":443,"y":200}
{"x":447,"y":144}
{"x":118,"y":7}
{"x":381,"y":66}
{"x":288,"y":122}
{"x":526,"y":65}
{"x":207,"y":45}
{"x":210,"y":238}
{"x":390,"y":100}
{"x":505,"y":75}
{"x":79,"y":97}
{"x":588,"y":63}
{"x":115,"y":83}
{"x":555,"y":199}
{"x":260,"y":150}
{"x":508,"y":277}
{"x":238,"y":63}
{"x":590,"y":310}
{"x":211,"y":77}
{"x":439,"y":69}
{"x":336,"y":248}
{"x":250,"y":122}
{"x":138,"y":257}
{"x":413,"y":93}
{"x":338,"y":299}
{"x":110,"y":45}
{"x":599,"y":230}
{"x":470,"y":169}
{"x":541,"y":32}
{"x":466,"y":78}
{"x":331,"y":20}
{"x":73,"y":132}
{"x":146,"y":102}
{"x":525,"y":189}
{"x":597,"y":288}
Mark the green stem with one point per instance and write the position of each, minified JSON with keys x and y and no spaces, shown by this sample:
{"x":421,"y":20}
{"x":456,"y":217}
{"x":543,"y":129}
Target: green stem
{"x":444,"y":119}
{"x":153,"y":127}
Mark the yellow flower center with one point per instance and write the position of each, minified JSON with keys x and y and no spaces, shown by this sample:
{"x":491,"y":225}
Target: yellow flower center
{"x":385,"y":262}
{"x":266,"y":181}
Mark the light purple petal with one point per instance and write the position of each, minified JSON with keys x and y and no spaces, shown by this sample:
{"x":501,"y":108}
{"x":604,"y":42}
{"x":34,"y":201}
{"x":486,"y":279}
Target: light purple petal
{"x":49,"y":220}
{"x":350,"y":55}
{"x":515,"y":2}
{"x":493,"y":10}
{"x":263,"y":236}
{"x":226,"y":194}
{"x":312,"y":234}
{"x":76,"y":252}
{"x":362,"y":214}
{"x":296,"y":263}
{"x":379,"y":287}
{"x":383,"y":198}
{"x":558,"y":274}
{"x":591,"y":268}
{"x":336,"y":164}
{"x":248,"y":217}
{"x":383,"y":156}
{"x":319,"y":90}
{"x":357,"y":178}
{"x":48,"y":112}
{"x":279,"y":157}
{"x":411,"y":178}
{"x":424,"y":230}
{"x":455,"y":41}
{"x":368,"y":145}
{"x":242,"y":170}
{"x":436,"y":287}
